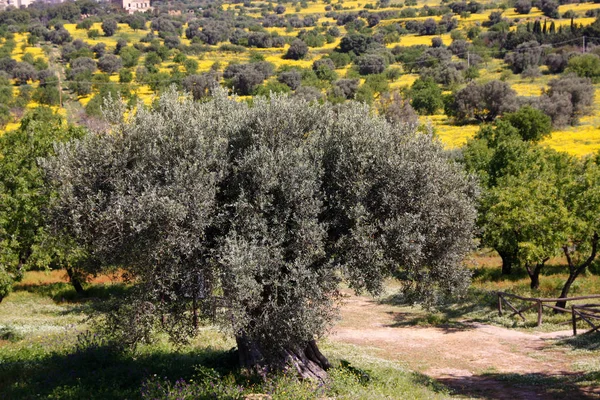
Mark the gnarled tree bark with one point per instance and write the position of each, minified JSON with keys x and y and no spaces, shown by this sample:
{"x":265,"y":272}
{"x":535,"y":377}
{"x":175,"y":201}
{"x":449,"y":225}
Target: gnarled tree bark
{"x":307,"y":360}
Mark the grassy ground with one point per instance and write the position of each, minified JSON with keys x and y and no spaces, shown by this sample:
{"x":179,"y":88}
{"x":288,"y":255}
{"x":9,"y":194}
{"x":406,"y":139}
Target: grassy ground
{"x":46,"y":351}
{"x":481,"y":302}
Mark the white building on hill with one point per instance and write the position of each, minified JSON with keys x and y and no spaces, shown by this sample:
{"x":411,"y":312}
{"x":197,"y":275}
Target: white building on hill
{"x":133,"y":6}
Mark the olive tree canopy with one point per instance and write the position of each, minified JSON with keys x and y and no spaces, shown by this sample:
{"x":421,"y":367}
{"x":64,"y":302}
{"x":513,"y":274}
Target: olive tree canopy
{"x":252,"y":215}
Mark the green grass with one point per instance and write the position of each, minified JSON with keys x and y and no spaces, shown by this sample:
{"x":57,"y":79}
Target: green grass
{"x":47,"y":351}
{"x":480,"y":303}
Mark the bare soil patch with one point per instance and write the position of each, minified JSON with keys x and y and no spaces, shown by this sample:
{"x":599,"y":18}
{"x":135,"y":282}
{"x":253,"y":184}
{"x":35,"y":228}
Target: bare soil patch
{"x":474,"y":359}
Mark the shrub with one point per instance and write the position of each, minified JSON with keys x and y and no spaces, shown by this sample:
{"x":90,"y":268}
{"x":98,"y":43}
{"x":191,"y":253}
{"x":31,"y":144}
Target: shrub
{"x":533,"y":125}
{"x":109,"y":27}
{"x":201,"y":86}
{"x":297,"y":50}
{"x":109,"y":63}
{"x":523,"y":6}
{"x":292,"y":79}
{"x":525,"y":56}
{"x":580,"y":91}
{"x":346,"y":87}
{"x":585,"y":66}
{"x":483,"y":102}
{"x":371,"y":64}
{"x":426,"y":96}
{"x":245,"y":78}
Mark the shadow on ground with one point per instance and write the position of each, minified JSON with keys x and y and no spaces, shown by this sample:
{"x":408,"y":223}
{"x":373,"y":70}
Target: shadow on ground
{"x":512,"y":386}
{"x":101,"y":372}
{"x":61,"y":292}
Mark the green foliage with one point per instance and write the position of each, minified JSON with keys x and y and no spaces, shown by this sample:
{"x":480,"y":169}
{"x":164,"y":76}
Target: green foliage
{"x":109,"y":27}
{"x":532,"y":124}
{"x":585,"y":66}
{"x":266,"y":207}
{"x":129,"y":56}
{"x":426,"y":96}
{"x":22,"y":192}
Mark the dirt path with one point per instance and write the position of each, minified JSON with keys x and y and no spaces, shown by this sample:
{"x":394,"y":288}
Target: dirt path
{"x":474,"y":359}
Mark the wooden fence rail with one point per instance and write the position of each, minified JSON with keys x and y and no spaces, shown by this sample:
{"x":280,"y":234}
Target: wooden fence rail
{"x":540,"y":303}
{"x":587,"y":313}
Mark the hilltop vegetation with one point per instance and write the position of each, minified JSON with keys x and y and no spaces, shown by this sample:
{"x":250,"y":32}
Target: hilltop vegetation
{"x":323,"y":51}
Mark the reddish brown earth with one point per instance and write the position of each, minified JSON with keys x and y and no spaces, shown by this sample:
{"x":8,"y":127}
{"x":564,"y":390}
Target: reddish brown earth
{"x":473,"y":358}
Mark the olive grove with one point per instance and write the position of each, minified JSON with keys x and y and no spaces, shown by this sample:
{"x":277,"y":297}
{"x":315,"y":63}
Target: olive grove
{"x":251,"y":216}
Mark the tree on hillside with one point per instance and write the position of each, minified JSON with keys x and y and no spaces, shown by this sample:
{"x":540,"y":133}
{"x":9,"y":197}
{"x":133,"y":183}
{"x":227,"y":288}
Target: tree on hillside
{"x":109,"y":27}
{"x":297,"y":50}
{"x":252,"y":215}
{"x":483,"y":102}
{"x":23,"y":197}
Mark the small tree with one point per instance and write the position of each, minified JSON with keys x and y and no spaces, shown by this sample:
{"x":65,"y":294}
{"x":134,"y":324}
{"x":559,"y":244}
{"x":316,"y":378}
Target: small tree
{"x":297,"y":50}
{"x":526,"y":211}
{"x":426,"y":96}
{"x":23,"y":196}
{"x":24,"y":72}
{"x":583,"y":201}
{"x":251,"y":215}
{"x":110,"y":63}
{"x":532,"y":125}
{"x":585,"y":66}
{"x":291,"y":78}
{"x":371,"y":64}
{"x":523,"y":6}
{"x":200,"y":86}
{"x":483,"y":102}
{"x":109,"y":27}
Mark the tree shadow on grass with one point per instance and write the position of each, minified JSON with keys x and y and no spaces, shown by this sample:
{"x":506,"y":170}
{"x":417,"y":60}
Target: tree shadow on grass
{"x":102,"y":372}
{"x":539,"y":386}
{"x":448,"y":316}
{"x":586,"y":341}
{"x":62,"y":292}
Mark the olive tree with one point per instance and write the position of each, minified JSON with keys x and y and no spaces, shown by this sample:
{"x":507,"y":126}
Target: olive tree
{"x":251,"y":216}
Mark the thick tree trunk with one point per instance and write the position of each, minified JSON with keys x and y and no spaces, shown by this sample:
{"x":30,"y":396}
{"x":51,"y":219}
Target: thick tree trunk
{"x":75,"y":281}
{"x":1,"y":298}
{"x":508,"y":260}
{"x":307,"y":361}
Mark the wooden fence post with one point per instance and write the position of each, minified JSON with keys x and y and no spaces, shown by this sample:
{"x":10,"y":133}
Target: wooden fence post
{"x":574,"y":316}
{"x":540,"y":310}
{"x":499,"y":304}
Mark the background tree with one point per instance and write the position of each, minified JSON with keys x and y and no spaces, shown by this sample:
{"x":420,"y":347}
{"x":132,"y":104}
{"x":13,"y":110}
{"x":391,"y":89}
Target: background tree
{"x":23,"y":196}
{"x":297,"y":50}
{"x":200,"y":86}
{"x":483,"y":102}
{"x":532,"y":124}
{"x":370,"y":64}
{"x":262,"y":209}
{"x":426,"y":96}
{"x":109,"y":27}
{"x":582,"y":199}
{"x":109,"y":63}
